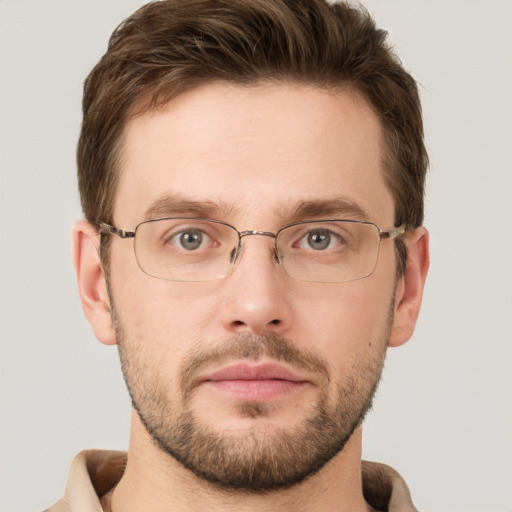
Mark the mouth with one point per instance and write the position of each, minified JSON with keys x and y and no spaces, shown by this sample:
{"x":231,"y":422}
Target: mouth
{"x":255,"y":383}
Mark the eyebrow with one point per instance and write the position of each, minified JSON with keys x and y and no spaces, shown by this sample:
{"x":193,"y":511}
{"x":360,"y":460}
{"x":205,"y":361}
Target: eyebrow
{"x":175,"y":204}
{"x":337,"y":207}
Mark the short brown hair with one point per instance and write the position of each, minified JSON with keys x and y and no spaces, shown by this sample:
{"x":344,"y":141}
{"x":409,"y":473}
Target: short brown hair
{"x":170,"y":46}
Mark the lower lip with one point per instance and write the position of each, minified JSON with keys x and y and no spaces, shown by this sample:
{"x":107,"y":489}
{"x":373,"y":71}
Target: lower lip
{"x":255,"y":390}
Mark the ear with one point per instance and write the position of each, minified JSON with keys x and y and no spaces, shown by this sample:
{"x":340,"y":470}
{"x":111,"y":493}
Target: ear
{"x":409,"y":291}
{"x":92,"y":284}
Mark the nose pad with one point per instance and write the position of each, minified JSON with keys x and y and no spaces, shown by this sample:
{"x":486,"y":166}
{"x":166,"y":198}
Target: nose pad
{"x":278,"y":256}
{"x":233,"y":256}
{"x":235,"y":253}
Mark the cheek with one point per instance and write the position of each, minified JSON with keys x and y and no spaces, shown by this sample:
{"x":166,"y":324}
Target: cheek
{"x":169,"y":316}
{"x":344,"y":321}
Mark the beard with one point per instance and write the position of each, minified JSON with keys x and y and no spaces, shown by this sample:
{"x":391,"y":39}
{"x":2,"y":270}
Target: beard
{"x":252,"y":461}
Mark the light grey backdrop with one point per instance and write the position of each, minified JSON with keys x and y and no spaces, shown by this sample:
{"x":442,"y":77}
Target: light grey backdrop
{"x":443,"y":416}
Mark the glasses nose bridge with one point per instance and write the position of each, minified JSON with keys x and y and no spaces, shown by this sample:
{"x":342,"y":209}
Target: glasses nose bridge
{"x":252,"y":232}
{"x":256,"y":232}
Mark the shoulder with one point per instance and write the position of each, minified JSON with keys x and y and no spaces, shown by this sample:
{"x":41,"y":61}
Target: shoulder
{"x":60,"y":506}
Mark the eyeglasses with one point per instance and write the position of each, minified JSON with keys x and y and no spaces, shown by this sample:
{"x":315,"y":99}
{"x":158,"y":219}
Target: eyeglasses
{"x":191,"y":249}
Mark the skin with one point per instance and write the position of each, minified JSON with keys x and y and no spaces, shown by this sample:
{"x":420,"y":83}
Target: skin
{"x":257,"y":152}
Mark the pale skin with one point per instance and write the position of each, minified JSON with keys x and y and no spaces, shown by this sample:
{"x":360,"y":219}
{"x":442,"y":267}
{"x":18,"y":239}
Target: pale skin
{"x":256,"y":153}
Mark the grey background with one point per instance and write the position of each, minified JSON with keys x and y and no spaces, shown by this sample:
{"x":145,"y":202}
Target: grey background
{"x":443,"y":415}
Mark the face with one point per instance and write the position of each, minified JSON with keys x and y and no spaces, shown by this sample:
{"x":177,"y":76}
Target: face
{"x":253,"y":381}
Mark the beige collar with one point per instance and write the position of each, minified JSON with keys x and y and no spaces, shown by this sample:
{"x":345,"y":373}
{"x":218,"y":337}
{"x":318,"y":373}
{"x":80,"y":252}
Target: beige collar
{"x":95,"y":473}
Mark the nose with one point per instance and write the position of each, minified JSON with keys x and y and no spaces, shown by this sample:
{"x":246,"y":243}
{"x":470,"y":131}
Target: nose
{"x":255,"y":294}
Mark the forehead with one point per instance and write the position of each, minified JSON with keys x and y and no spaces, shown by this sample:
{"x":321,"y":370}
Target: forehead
{"x":253,"y":152}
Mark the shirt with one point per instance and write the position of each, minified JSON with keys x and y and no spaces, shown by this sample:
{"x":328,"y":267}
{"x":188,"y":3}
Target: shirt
{"x":94,"y":473}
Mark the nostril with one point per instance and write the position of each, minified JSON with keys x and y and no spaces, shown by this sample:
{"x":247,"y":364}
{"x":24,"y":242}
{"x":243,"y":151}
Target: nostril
{"x":240,"y":323}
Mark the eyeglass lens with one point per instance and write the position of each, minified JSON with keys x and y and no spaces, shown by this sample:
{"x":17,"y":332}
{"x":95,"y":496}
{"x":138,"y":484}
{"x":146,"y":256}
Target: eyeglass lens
{"x":181,"y":249}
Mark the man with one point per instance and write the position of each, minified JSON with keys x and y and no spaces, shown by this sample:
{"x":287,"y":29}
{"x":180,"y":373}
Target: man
{"x":252,"y":176}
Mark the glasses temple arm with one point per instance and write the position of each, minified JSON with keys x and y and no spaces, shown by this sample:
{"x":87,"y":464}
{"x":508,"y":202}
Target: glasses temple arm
{"x":393,"y":233}
{"x":107,"y":229}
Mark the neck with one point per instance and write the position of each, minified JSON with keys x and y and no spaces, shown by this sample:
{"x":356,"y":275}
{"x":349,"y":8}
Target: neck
{"x":155,"y":481}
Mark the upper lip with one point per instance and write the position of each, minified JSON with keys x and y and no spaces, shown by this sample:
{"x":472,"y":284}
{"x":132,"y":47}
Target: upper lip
{"x":245,"y":371}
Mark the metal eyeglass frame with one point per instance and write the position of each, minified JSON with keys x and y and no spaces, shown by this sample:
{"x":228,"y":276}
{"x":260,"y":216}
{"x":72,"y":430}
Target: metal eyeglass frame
{"x":389,"y":234}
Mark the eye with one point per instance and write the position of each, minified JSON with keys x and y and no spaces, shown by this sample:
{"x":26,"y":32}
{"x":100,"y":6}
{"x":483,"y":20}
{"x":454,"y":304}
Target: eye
{"x":190,"y":239}
{"x":320,"y":240}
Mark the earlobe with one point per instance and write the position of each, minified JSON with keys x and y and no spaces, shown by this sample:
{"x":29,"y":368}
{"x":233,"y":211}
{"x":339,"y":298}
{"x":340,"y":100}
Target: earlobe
{"x":92,"y":285}
{"x":409,"y":291}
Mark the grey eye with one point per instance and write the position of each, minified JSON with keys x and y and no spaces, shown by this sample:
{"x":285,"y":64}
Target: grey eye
{"x":190,"y":240}
{"x":319,"y":239}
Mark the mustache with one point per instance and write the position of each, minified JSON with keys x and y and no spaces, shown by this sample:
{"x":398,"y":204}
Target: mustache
{"x":250,"y":347}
